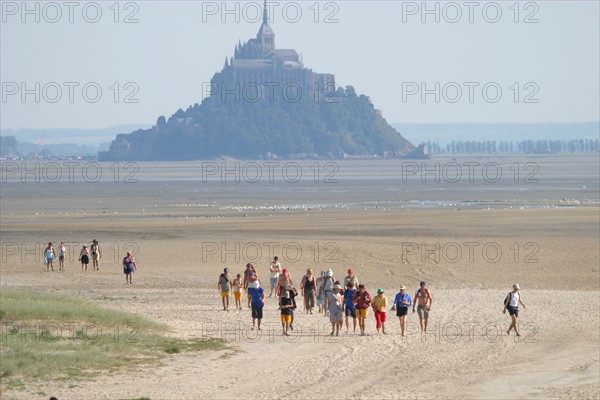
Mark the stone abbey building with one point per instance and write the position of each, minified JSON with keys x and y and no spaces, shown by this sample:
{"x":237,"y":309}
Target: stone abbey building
{"x":258,"y":63}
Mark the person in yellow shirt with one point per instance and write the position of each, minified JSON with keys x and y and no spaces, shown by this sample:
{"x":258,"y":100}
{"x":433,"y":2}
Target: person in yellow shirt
{"x":380,"y":304}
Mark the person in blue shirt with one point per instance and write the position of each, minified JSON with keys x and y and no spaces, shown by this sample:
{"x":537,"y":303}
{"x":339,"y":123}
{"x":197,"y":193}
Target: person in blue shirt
{"x":349,"y":307}
{"x":401,"y":304}
{"x":257,"y":294}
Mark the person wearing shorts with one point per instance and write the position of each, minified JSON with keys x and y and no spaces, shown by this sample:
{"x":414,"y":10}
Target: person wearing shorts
{"x":423,"y":303}
{"x":380,"y":305}
{"x":275,"y":270}
{"x":238,"y":289}
{"x":62,"y":252}
{"x":511,"y":303}
{"x":129,"y":267}
{"x":48,"y":254}
{"x":96,"y":254}
{"x":283,"y":280}
{"x":257,"y":294}
{"x":84,"y":258}
{"x":224,"y":287}
{"x":362,"y":300}
{"x":349,"y":307}
{"x":401,"y":303}
{"x":286,"y":311}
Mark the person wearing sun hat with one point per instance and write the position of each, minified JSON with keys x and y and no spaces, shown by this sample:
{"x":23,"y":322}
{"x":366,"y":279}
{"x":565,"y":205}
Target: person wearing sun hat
{"x":327,"y":289}
{"x":257,"y":294}
{"x":401,"y":303}
{"x":380,"y":305}
{"x":335,"y":309}
{"x":511,"y":303}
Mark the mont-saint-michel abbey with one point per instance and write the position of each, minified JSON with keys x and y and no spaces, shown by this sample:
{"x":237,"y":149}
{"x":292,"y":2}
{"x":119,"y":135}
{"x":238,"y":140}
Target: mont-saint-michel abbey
{"x":258,"y":63}
{"x":265,"y":103}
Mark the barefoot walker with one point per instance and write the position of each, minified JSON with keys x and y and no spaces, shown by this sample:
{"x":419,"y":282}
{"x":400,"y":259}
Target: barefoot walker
{"x":511,"y":303}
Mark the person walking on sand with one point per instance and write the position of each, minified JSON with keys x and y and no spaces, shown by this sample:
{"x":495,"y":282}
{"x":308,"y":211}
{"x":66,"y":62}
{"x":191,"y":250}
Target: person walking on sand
{"x":62,"y":252}
{"x":327,"y":288}
{"x":350,"y":278}
{"x":257,"y":294}
{"x":293,"y":294}
{"x":284,"y":280}
{"x":238,"y":289}
{"x":84,"y":257}
{"x":252,"y":277}
{"x":401,"y":303}
{"x":423,"y":303}
{"x":349,"y":309}
{"x":362,"y":299}
{"x":336,"y":301}
{"x":380,"y":305}
{"x":247,"y":275}
{"x":274,"y":270}
{"x":286,"y":307}
{"x":320,"y":298}
{"x":129,"y":266}
{"x":96,"y":254}
{"x":308,"y":288}
{"x":511,"y":303}
{"x":224,"y":287}
{"x":49,"y":253}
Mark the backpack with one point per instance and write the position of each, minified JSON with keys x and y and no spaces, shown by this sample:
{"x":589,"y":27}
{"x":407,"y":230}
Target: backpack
{"x":507,"y":299}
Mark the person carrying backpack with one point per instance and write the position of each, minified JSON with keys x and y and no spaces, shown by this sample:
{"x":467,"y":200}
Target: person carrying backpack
{"x":511,"y":303}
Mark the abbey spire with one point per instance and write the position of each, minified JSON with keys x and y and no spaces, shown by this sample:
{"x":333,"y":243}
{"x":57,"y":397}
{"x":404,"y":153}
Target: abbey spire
{"x":266,"y":36}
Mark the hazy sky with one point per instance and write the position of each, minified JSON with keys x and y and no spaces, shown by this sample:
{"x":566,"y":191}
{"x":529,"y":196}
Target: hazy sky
{"x":543,"y":56}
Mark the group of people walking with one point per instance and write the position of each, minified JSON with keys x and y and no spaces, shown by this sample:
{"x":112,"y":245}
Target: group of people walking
{"x":51,"y":253}
{"x":93,"y":253}
{"x":336,"y":299}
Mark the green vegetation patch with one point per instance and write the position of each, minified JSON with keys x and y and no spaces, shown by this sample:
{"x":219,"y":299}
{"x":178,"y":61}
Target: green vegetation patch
{"x":48,"y":336}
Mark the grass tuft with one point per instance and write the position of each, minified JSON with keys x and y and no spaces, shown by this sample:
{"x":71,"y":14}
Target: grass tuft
{"x":48,"y":336}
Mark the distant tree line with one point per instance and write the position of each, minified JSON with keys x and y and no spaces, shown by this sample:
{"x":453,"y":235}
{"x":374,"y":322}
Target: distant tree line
{"x":524,"y":146}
